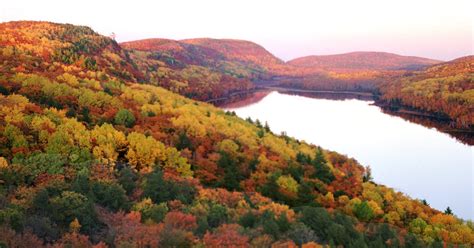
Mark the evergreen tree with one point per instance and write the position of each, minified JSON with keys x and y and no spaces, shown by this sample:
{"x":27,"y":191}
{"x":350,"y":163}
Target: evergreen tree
{"x":322,"y":171}
{"x":232,"y":174}
{"x":448,"y":211}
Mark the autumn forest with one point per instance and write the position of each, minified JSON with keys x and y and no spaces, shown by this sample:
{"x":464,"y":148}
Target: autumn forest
{"x":107,"y":144}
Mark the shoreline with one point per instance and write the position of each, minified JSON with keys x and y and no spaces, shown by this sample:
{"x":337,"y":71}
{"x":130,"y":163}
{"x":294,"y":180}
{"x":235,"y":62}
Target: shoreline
{"x":424,"y":118}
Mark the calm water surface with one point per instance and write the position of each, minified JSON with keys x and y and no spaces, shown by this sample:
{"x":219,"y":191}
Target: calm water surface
{"x":419,"y":161}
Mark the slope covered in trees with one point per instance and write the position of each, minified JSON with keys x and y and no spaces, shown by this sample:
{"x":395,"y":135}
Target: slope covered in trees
{"x":445,"y":89}
{"x":202,"y":68}
{"x":356,"y":71}
{"x":89,"y":158}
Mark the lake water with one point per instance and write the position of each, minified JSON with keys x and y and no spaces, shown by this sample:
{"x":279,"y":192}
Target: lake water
{"x":419,"y":161}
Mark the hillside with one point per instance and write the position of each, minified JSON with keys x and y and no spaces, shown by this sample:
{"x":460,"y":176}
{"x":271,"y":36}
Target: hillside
{"x":362,"y":61}
{"x":94,"y":158}
{"x":239,"y":50}
{"x":201,"y":71}
{"x":446,"y":89}
{"x":56,"y":48}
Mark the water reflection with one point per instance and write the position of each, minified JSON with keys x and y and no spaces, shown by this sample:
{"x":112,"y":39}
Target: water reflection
{"x":420,"y":161}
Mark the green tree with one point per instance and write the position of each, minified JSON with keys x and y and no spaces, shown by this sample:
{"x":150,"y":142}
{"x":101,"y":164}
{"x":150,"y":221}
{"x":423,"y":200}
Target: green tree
{"x":232,"y":175}
{"x":110,"y":195}
{"x":363,"y":211}
{"x":127,"y":179}
{"x":70,"y":205}
{"x":160,"y":190}
{"x":317,"y":219}
{"x":448,"y":211}
{"x":322,"y":170}
{"x":151,"y":211}
{"x":124,"y":117}
{"x":184,"y":142}
{"x":266,"y":127}
{"x":248,"y":220}
{"x":217,"y":215}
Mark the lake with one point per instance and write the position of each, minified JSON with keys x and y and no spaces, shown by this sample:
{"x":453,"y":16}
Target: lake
{"x":419,"y":161}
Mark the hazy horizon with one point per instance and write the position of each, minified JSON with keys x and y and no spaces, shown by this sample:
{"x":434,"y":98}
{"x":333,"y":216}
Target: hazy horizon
{"x":432,"y":29}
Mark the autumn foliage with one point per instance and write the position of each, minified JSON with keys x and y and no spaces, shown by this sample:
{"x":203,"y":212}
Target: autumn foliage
{"x":92,"y":156}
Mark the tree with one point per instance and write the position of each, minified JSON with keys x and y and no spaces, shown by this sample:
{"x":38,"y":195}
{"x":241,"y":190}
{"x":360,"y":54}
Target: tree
{"x":156,"y":188}
{"x":42,"y":227}
{"x":108,"y":143}
{"x":124,"y":117}
{"x":127,"y":179}
{"x":160,"y":190}
{"x":184,"y":142}
{"x":363,"y":211}
{"x":226,"y":236}
{"x":305,"y":194}
{"x":367,"y":174}
{"x":74,"y":226}
{"x":232,"y":176}
{"x":267,"y":127}
{"x":180,"y":220}
{"x":302,"y":234}
{"x":110,"y":195}
{"x":448,"y":211}
{"x":3,"y":163}
{"x":322,"y":171}
{"x":217,"y":215}
{"x":70,"y":205}
{"x":144,"y":152}
{"x":248,"y":220}
{"x":151,"y":211}
{"x":317,"y":219}
{"x":288,"y":183}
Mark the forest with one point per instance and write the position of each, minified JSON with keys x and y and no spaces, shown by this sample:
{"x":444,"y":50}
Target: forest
{"x":104,"y":146}
{"x":446,"y":89}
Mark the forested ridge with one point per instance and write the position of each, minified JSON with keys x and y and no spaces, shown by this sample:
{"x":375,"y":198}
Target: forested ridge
{"x":446,"y":89}
{"x":94,"y":155}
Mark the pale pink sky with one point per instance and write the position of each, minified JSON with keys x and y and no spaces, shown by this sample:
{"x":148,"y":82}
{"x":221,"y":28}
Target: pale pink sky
{"x":287,"y":28}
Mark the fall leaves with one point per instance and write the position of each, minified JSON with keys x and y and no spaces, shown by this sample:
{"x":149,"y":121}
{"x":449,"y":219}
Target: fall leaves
{"x":84,"y":150}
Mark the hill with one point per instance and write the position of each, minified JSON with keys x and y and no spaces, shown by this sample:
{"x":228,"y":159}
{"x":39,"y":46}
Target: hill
{"x":445,"y":89}
{"x":360,"y":61}
{"x":56,"y":48}
{"x":239,"y":50}
{"x":199,"y":68}
{"x":93,"y":159}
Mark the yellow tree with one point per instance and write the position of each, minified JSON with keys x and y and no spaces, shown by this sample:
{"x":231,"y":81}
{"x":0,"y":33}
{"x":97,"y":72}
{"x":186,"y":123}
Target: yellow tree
{"x":144,"y":152}
{"x":108,"y":142}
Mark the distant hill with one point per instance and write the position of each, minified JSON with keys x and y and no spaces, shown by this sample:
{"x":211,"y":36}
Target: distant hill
{"x":446,"y":89}
{"x":239,"y":50}
{"x":235,"y":57}
{"x":363,"y":61}
{"x":453,"y":67}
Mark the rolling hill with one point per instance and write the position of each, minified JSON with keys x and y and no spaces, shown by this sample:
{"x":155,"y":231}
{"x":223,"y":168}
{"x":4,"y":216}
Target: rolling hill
{"x":362,"y":61}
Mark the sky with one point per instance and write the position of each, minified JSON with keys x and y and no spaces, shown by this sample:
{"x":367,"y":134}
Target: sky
{"x":439,"y":29}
